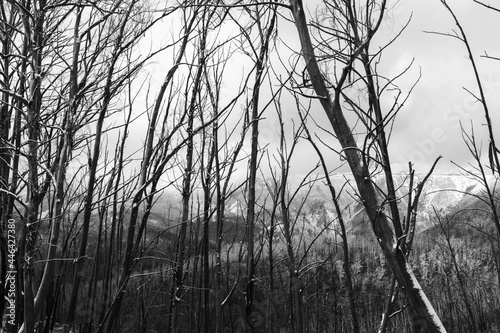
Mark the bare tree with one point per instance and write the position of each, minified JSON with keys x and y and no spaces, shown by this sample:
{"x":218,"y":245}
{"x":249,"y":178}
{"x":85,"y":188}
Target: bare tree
{"x":259,"y":55}
{"x":69,"y":69}
{"x":224,"y":163}
{"x":296,"y":285}
{"x":481,"y":171}
{"x":113,"y":82}
{"x":343,"y":228}
{"x":10,"y":119}
{"x":487,"y":174}
{"x":177,"y":285}
{"x":358,"y":26}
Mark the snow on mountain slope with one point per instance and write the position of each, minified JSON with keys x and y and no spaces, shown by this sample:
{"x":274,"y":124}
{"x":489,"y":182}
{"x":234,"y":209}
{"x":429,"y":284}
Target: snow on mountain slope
{"x":442,"y":192}
{"x":313,"y":213}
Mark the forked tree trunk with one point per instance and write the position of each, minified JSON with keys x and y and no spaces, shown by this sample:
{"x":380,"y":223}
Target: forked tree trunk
{"x":178,"y":274}
{"x":261,"y":60}
{"x":33,"y":188}
{"x":63,"y":155}
{"x":425,"y":315}
{"x":346,"y":265}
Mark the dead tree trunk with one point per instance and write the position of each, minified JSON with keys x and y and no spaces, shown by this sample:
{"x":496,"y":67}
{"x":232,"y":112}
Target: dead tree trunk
{"x":381,"y":223}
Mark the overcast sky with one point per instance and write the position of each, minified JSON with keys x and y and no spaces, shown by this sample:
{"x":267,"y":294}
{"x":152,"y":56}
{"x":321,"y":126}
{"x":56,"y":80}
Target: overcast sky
{"x":429,"y":124}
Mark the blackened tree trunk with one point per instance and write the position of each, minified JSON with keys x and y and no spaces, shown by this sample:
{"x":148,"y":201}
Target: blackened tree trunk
{"x":384,"y":230}
{"x":346,"y":265}
{"x":34,"y":33}
{"x":260,"y":62}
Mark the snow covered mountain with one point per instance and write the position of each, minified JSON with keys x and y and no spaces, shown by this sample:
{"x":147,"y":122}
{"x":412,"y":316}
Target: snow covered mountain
{"x":313,"y":211}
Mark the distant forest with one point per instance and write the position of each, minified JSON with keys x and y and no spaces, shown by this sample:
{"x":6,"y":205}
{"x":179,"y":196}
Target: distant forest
{"x":148,"y":173}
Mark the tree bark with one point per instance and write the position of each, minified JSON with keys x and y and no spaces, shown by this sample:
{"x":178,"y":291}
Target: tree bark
{"x":35,"y":35}
{"x":346,"y":265}
{"x":252,"y":177}
{"x":382,"y":227}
